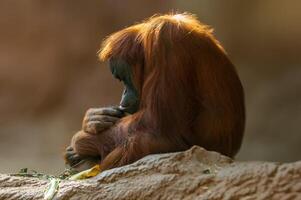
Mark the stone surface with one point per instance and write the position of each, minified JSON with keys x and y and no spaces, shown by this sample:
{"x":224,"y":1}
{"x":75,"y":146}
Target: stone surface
{"x":193,"y":174}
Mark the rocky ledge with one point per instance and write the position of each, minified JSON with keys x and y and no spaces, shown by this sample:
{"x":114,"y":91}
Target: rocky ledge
{"x":192,"y":174}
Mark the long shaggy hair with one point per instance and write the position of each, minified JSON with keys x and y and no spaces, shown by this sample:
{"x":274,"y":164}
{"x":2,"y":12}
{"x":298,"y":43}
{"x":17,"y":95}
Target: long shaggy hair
{"x":188,"y":87}
{"x":190,"y":93}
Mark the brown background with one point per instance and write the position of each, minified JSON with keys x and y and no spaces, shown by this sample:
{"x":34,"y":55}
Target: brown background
{"x":50,"y":75}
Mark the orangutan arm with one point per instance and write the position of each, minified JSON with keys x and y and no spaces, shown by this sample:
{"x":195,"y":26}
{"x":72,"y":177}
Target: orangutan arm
{"x":115,"y":147}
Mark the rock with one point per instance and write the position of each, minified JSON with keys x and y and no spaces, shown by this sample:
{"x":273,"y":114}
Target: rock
{"x":192,"y":174}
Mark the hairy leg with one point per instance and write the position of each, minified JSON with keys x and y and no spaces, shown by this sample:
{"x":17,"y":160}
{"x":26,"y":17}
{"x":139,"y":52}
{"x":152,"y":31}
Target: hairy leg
{"x":83,"y":152}
{"x":116,"y":147}
{"x":86,"y":144}
{"x":136,"y":147}
{"x":89,"y":147}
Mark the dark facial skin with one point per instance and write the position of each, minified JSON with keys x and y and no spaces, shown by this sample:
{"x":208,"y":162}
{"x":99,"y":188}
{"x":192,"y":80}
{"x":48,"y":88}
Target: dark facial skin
{"x":130,"y":98}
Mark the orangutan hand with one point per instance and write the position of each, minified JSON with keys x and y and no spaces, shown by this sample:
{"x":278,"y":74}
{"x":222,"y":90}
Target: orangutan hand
{"x":97,"y":120}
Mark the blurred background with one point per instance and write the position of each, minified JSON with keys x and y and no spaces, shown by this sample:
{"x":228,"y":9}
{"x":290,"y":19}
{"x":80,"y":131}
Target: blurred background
{"x":50,"y":74}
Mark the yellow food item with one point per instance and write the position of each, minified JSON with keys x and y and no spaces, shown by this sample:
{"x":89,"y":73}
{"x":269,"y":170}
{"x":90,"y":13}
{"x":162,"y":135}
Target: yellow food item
{"x":86,"y":173}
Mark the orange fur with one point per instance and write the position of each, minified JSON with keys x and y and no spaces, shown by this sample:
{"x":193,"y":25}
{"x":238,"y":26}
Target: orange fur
{"x":189,"y":90}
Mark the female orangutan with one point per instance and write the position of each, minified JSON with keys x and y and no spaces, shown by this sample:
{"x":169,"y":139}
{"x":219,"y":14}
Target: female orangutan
{"x":180,"y":90}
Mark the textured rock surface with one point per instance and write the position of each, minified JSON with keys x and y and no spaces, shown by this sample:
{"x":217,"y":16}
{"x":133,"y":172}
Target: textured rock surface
{"x":193,"y":174}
